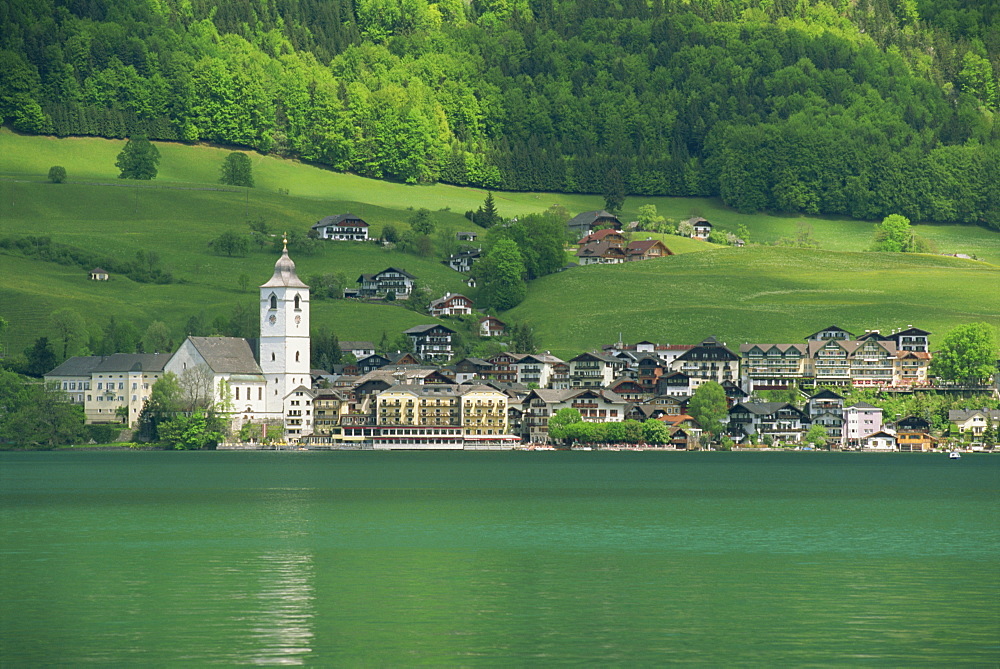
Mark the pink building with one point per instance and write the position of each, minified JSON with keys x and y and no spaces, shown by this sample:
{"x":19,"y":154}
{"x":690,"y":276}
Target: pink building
{"x":861,"y":420}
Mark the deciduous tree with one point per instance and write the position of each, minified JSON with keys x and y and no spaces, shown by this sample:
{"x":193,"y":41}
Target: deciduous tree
{"x":237,"y":170}
{"x":708,"y":406}
{"x":57,"y":174}
{"x":967,"y":355}
{"x":138,"y":160}
{"x":501,"y":275}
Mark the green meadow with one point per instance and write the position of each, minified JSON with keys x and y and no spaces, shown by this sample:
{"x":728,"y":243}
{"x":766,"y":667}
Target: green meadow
{"x":760,"y":293}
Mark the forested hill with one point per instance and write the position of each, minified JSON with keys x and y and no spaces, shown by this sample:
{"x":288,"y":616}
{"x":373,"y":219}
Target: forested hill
{"x":855,"y":107}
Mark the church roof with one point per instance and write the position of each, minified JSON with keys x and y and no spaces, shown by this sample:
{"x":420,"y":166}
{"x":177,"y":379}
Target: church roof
{"x":284,"y":273}
{"x":226,"y":355}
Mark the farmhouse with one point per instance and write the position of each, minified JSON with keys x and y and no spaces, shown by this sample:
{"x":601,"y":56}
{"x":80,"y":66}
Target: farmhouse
{"x":701,"y":228}
{"x":431,"y":342}
{"x":491,"y":326}
{"x":452,"y":304}
{"x":342,"y":227}
{"x":393,"y":280}
{"x":582,"y":224}
{"x":646,"y":249}
{"x":464,"y":260}
{"x":601,"y":253}
{"x":98,"y":274}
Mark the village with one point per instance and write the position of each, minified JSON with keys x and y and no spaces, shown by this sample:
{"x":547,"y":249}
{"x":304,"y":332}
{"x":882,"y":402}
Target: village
{"x":424,"y":398}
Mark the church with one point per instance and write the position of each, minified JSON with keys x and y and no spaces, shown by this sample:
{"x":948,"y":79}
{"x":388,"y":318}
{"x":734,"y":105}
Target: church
{"x":272,"y":386}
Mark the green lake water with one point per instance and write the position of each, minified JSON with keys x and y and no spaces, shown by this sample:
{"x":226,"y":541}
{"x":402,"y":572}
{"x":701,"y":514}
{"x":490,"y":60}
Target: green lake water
{"x":499,"y":559}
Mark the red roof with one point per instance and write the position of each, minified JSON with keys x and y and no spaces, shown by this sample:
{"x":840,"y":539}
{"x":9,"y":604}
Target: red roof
{"x":600,"y":235}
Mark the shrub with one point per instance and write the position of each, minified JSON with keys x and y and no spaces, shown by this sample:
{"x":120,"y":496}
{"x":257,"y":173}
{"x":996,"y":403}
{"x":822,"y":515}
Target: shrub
{"x":57,"y":174}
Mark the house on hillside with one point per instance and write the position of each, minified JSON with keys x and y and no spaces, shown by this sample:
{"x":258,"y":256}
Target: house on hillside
{"x":601,"y":253}
{"x":583,"y":224}
{"x":359,"y":349}
{"x":491,"y":326}
{"x":463,"y":260}
{"x":99,"y":274}
{"x":710,"y":360}
{"x":605,"y":235}
{"x":342,"y":227}
{"x":392,"y":279}
{"x":832,"y":332}
{"x":466,"y":236}
{"x":452,"y":304}
{"x":431,"y":342}
{"x":702,"y":229}
{"x":912,"y":339}
{"x":646,"y":249}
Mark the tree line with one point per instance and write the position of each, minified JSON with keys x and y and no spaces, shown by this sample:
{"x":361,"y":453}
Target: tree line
{"x":863,"y":109}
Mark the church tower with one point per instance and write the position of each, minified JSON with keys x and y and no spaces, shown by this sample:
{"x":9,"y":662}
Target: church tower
{"x":284,"y":333}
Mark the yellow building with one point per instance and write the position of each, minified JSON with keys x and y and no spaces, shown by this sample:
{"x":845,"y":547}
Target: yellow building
{"x":441,"y":416}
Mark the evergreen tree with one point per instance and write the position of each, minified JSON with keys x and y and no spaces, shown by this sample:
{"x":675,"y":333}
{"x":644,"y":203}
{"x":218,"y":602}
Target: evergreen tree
{"x":138,"y":160}
{"x":614,"y":191}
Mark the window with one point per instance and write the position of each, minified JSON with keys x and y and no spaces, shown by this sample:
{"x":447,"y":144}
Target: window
{"x":260,"y":393}
{"x":100,"y":385}
{"x":297,"y":303}
{"x":272,"y":356}
{"x":274,"y":301}
{"x":237,"y":394}
{"x":296,"y":353}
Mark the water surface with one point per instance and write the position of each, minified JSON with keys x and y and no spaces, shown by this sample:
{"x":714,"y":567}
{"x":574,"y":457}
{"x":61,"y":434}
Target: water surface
{"x":391,"y":559}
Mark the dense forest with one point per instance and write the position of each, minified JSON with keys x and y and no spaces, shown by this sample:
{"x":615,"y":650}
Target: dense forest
{"x":856,"y":107}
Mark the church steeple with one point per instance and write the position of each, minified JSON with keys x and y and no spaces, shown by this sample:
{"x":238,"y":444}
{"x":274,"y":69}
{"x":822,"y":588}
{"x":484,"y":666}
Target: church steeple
{"x":284,"y":331}
{"x":284,"y":272}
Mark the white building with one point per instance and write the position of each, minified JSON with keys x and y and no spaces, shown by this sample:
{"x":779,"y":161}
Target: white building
{"x":284,"y":333}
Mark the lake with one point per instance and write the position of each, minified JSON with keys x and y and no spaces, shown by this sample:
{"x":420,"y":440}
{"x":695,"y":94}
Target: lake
{"x":498,"y":558}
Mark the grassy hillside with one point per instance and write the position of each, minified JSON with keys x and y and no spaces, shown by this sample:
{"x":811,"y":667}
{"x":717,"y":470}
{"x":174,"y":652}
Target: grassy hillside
{"x":766,"y":295}
{"x":730,"y":293}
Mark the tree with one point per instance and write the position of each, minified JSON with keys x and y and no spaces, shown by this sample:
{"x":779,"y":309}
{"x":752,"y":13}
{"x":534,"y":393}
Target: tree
{"x":968,"y":354}
{"x":614,"y":191}
{"x":138,"y":160}
{"x":655,"y":432}
{"x":69,"y":328}
{"x":522,"y":338}
{"x":501,"y":274}
{"x":708,"y":406}
{"x":649,"y":219}
{"x":194,"y":432}
{"x":41,"y":358}
{"x":34,"y":414}
{"x":157,"y":338}
{"x":421,"y":222}
{"x":237,"y":170}
{"x":816,"y":435}
{"x":487,"y":215}
{"x":231,"y":244}
{"x":893,"y":234}
{"x":57,"y":174}
{"x":325,"y":349}
{"x":390,"y":234}
{"x":560,"y":421}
